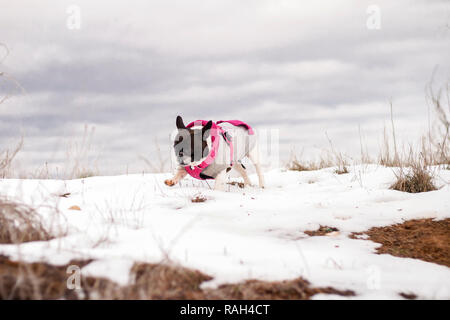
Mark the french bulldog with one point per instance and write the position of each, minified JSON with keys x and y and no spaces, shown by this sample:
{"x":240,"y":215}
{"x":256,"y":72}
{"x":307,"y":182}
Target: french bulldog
{"x":209,"y":151}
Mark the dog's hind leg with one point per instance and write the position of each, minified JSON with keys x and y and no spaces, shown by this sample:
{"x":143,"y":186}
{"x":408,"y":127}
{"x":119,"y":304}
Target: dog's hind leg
{"x":254,"y":157}
{"x":239,"y":168}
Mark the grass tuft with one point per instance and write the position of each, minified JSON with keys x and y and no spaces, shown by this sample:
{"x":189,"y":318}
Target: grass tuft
{"x":20,"y":223}
{"x":296,"y":165}
{"x":6,"y":160}
{"x":417,"y":179}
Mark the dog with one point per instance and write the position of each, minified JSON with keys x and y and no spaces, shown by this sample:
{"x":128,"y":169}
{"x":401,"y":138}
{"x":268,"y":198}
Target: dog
{"x":206,"y":150}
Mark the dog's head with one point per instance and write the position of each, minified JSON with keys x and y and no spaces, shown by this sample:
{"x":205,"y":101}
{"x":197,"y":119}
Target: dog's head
{"x":191,"y":144}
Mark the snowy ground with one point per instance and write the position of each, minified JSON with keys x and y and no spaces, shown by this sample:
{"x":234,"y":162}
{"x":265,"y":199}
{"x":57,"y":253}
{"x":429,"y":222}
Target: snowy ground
{"x":241,"y":233}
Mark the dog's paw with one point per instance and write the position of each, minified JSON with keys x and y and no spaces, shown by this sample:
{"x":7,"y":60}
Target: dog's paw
{"x":169,"y":182}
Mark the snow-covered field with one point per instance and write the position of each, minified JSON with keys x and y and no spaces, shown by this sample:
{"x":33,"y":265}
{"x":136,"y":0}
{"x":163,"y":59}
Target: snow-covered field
{"x":242,"y":233}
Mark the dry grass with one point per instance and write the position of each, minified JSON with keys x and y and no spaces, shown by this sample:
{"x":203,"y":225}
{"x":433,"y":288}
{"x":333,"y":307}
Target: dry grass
{"x":297,"y":289}
{"x":342,"y":170}
{"x":417,"y":179}
{"x":80,"y":162}
{"x":438,"y":138}
{"x":6,"y":160}
{"x":148,"y":282}
{"x":328,"y":158}
{"x":434,"y":146}
{"x":423,"y":239}
{"x":20,"y":280}
{"x":158,"y":281}
{"x":161,"y":163}
{"x":297,"y":164}
{"x":338,"y":159}
{"x":434,"y":149}
{"x":9,"y":84}
{"x":411,"y":162}
{"x":20,"y":223}
{"x":413,"y":173}
{"x":412,"y":168}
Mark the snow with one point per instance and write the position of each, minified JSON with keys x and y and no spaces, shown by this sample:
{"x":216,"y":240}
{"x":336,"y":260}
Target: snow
{"x":241,"y":233}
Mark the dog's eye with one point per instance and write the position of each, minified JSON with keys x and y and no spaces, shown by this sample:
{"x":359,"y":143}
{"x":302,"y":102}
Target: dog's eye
{"x":177,"y":141}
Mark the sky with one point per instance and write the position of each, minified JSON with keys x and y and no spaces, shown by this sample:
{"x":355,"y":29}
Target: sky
{"x":125,"y":70}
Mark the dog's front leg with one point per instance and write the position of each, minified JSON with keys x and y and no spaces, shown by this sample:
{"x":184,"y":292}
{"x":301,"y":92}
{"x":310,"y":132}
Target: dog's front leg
{"x":220,"y":180}
{"x":180,"y":174}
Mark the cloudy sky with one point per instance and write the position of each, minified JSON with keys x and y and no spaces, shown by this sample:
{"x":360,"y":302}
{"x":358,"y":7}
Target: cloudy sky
{"x":304,"y":68}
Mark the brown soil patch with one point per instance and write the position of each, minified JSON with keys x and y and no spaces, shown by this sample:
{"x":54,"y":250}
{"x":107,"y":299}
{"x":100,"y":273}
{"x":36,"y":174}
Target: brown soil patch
{"x":297,"y":289}
{"x":423,"y":239}
{"x":322,"y":231}
{"x":198,"y":198}
{"x":236,"y":183}
{"x":409,"y":296}
{"x":19,"y":280}
{"x":159,"y":281}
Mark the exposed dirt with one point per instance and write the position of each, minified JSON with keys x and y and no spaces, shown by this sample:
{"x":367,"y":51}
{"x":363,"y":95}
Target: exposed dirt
{"x":322,"y":231}
{"x":409,"y":296}
{"x":236,"y":183}
{"x":19,"y":280}
{"x":423,"y":239}
{"x":298,"y":289}
{"x":198,"y":198}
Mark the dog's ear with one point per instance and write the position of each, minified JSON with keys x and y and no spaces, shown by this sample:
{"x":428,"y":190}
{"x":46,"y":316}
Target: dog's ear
{"x":206,"y":129}
{"x":180,"y":124}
